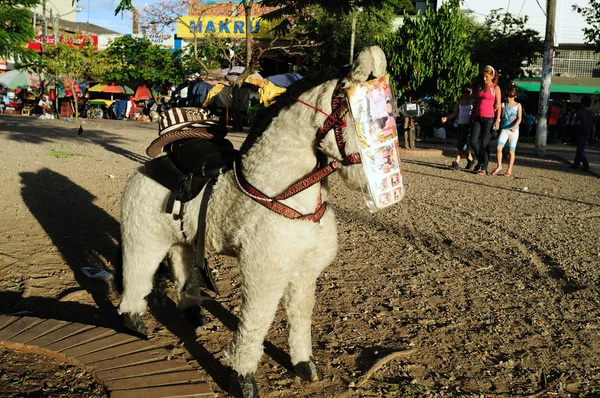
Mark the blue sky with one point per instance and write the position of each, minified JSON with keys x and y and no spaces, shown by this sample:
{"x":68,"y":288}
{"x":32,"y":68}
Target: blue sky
{"x":102,"y":13}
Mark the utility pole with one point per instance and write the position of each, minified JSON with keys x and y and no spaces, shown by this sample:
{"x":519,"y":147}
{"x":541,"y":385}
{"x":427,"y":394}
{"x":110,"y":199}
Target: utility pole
{"x":56,"y":27}
{"x":45,"y":25}
{"x":541,"y":131}
{"x":353,"y":32}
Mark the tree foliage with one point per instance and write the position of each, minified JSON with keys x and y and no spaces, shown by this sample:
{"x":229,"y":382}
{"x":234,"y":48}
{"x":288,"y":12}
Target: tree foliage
{"x":504,"y":42}
{"x":137,"y":60}
{"x":332,"y":32}
{"x":592,"y":17}
{"x":428,"y":54}
{"x":16,"y":29}
{"x":72,"y":64}
{"x":286,"y":8}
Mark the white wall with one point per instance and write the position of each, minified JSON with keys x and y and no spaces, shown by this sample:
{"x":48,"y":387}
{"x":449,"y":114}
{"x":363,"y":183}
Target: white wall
{"x":64,"y":8}
{"x":569,"y":24}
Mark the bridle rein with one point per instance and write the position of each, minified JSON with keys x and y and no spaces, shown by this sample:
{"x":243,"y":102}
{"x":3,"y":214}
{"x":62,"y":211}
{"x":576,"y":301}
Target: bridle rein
{"x":335,"y":121}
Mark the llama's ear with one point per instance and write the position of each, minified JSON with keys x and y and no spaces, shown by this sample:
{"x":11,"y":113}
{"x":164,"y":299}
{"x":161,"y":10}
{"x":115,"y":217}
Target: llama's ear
{"x":370,"y":62}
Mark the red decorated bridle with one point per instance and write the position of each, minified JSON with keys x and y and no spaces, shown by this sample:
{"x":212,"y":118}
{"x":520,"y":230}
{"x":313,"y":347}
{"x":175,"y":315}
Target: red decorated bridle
{"x":335,"y":120}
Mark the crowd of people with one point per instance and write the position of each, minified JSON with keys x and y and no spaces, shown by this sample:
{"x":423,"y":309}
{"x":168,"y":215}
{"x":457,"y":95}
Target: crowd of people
{"x":495,"y":113}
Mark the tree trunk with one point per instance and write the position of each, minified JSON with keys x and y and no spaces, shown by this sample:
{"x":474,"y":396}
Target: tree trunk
{"x":238,"y":122}
{"x":75,"y":103}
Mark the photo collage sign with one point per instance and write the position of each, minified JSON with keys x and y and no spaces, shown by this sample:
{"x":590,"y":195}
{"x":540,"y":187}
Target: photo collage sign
{"x":372,"y":108}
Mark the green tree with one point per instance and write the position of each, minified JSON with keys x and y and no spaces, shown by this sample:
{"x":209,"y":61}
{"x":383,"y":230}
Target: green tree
{"x":332,"y":32}
{"x":286,"y":8}
{"x":428,"y":54}
{"x":72,"y":64}
{"x":137,"y":60}
{"x":592,"y":17}
{"x":204,"y":53}
{"x":16,"y":29}
{"x":504,"y":42}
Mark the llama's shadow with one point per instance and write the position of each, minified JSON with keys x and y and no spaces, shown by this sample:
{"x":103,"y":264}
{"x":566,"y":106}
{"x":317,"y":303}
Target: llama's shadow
{"x":164,"y":309}
{"x":84,"y":234}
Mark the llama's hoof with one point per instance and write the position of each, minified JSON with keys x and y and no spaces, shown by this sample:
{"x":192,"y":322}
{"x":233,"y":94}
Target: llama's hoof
{"x":195,"y":316}
{"x":308,"y":370}
{"x":135,"y":325}
{"x":243,"y":386}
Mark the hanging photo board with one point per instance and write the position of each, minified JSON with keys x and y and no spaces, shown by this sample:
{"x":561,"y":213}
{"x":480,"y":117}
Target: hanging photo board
{"x":372,"y":110}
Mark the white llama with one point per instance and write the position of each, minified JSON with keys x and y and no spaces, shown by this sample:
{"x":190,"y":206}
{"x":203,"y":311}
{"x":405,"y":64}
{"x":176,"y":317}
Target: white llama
{"x":279,"y":257}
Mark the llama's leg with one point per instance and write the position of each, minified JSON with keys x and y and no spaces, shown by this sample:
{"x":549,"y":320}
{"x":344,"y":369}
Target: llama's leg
{"x":262,"y":289}
{"x":299,"y":303}
{"x":181,"y":258}
{"x":140,"y":262}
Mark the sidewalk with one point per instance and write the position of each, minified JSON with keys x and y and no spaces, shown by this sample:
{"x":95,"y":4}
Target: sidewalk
{"x":565,"y":153}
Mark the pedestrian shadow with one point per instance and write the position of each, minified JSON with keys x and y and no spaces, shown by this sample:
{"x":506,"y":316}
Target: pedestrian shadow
{"x":85,"y":235}
{"x":510,"y":189}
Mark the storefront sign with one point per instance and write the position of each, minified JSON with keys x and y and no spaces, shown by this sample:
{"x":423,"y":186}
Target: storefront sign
{"x":104,"y":40}
{"x":224,"y":27}
{"x":72,"y":41}
{"x":162,"y":39}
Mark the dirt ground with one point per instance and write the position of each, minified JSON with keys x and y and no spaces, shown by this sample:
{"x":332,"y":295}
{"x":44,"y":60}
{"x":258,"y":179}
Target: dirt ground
{"x":493,"y":282}
{"x":32,"y":375}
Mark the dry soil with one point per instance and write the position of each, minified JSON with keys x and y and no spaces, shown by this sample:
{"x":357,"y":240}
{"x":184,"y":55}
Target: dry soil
{"x":493,"y":282}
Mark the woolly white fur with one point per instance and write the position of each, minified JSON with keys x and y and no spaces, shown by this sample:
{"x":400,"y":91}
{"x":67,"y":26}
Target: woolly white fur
{"x":278,"y":257}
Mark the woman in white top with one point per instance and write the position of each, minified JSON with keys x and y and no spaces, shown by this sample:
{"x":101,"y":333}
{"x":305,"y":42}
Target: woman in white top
{"x":511,"y":118}
{"x":463,"y":111}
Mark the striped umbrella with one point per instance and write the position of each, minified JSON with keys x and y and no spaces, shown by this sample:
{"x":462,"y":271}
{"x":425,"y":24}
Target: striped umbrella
{"x":111,"y":89}
{"x":19,"y":79}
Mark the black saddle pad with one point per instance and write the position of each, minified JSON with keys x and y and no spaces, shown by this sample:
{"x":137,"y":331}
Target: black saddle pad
{"x":190,"y":164}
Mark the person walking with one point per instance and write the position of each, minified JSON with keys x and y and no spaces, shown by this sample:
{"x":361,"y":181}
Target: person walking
{"x":528,"y":120}
{"x":585,"y":126}
{"x":512,"y":113}
{"x":486,"y":115}
{"x":569,"y":127}
{"x":463,"y":111}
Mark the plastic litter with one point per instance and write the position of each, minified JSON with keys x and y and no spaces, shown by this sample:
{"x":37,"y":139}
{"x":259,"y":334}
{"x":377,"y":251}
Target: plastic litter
{"x":96,"y":273}
{"x":11,"y":125}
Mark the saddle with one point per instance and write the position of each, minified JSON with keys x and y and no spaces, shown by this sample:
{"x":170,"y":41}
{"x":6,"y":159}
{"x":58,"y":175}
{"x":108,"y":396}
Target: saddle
{"x":189,"y":164}
{"x":196,"y":153}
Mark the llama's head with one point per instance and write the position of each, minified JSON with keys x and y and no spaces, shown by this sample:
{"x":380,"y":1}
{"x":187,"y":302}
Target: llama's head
{"x":369,"y":64}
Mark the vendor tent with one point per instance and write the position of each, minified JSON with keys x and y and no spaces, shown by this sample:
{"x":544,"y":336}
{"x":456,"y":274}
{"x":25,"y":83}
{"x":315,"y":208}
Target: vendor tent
{"x":142,"y":93}
{"x":19,"y":79}
{"x":284,"y":80}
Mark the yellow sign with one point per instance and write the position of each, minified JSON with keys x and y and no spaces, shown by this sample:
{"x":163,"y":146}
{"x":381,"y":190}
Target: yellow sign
{"x":224,"y":27}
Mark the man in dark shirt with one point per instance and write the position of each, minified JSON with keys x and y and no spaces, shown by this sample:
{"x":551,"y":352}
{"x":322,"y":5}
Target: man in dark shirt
{"x":584,"y":128}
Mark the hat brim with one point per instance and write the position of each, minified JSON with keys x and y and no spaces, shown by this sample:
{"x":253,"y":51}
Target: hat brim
{"x":156,"y":146}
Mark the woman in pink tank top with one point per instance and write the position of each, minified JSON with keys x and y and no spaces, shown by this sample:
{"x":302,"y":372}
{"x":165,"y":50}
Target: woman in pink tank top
{"x":486,"y":115}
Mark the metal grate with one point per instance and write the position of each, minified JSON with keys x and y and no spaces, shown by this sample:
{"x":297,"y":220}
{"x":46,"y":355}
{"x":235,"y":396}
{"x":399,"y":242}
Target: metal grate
{"x":569,"y":63}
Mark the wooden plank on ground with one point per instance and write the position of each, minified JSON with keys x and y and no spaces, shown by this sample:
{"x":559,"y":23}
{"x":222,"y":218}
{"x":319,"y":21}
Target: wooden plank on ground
{"x":186,"y":376}
{"x":38,"y":330}
{"x":113,"y":352}
{"x":17,"y":327}
{"x":99,"y":344}
{"x":60,"y":334}
{"x":6,"y":320}
{"x":179,"y":391}
{"x":80,"y":338}
{"x":152,"y":368}
{"x":155,"y":354}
